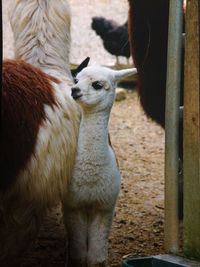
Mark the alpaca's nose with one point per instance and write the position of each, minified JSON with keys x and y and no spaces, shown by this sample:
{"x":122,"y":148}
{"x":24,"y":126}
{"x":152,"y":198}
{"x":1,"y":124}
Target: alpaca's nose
{"x":76,"y":93}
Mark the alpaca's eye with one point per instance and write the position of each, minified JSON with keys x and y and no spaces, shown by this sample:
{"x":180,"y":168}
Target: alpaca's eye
{"x":75,"y":80}
{"x":97,"y":85}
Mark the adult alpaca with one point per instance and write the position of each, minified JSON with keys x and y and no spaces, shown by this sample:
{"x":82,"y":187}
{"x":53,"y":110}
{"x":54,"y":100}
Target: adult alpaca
{"x":40,"y":122}
{"x":148,"y":33}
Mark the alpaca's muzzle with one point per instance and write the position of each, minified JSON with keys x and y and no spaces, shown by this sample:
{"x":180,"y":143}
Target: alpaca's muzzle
{"x":76,"y":93}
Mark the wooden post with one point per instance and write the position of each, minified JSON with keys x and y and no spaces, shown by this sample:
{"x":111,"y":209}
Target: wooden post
{"x":191,"y":144}
{"x":172,"y":125}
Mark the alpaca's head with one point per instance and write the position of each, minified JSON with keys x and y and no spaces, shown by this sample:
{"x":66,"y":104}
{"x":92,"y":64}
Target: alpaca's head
{"x":95,"y":86}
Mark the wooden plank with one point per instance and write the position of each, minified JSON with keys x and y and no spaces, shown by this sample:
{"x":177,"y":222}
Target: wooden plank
{"x":191,"y":144}
{"x":171,"y":226}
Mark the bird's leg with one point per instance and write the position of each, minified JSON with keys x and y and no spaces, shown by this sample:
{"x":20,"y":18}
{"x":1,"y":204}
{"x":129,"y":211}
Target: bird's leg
{"x":128,"y":61}
{"x":117,"y":61}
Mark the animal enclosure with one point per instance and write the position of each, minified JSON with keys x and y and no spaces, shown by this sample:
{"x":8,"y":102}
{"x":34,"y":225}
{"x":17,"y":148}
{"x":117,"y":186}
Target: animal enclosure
{"x":191,"y":135}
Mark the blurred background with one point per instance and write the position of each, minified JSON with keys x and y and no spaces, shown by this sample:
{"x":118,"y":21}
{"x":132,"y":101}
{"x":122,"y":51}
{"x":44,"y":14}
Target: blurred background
{"x":85,"y":41}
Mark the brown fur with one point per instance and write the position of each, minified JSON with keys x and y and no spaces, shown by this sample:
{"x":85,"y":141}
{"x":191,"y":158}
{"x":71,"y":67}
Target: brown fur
{"x":148,"y":31}
{"x":110,"y":144}
{"x":25,"y":91}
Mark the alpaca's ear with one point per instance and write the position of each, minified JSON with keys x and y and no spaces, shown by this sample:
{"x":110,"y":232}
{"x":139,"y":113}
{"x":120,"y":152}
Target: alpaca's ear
{"x":120,"y":74}
{"x":83,"y":65}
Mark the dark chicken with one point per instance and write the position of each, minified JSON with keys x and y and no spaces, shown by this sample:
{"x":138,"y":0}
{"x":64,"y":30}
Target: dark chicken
{"x":115,"y":37}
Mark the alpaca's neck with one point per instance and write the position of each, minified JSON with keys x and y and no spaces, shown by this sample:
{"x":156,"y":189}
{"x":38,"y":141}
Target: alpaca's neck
{"x":93,"y":132}
{"x":42,"y":34}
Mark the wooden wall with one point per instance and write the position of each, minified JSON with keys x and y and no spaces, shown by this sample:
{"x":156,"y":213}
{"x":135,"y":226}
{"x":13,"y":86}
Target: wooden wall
{"x":191,"y":143}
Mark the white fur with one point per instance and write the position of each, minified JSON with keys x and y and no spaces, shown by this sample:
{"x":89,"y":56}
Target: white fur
{"x":42,"y":37}
{"x":96,"y":178}
{"x":41,"y":31}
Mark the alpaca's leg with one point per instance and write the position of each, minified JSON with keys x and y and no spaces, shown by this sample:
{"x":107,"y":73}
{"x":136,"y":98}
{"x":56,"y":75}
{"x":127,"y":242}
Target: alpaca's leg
{"x":76,"y":227}
{"x":18,"y":228}
{"x":98,"y":233}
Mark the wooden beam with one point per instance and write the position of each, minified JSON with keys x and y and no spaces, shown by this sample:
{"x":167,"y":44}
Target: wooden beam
{"x":191,"y":144}
{"x":172,"y":112}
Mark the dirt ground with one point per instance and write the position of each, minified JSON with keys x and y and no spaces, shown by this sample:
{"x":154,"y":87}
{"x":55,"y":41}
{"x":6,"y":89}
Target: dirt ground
{"x":139,"y":145}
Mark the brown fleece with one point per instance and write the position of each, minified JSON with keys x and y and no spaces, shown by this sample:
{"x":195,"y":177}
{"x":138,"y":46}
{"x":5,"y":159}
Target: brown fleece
{"x":148,"y":31}
{"x":110,"y":144}
{"x":25,"y":91}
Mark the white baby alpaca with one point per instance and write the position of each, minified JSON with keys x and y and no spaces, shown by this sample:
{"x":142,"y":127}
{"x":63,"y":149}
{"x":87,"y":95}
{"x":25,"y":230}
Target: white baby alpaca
{"x":96,"y":178}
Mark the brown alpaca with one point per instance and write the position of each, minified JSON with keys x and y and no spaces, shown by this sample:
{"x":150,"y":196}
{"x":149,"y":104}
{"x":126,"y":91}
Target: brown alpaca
{"x":40,"y":123}
{"x":148,"y":32}
{"x":25,"y":92}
